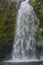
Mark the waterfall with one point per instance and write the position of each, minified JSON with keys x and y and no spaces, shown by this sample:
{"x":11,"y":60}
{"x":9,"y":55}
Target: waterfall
{"x":26,"y":28}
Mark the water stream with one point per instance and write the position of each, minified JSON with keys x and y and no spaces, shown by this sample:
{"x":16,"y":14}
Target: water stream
{"x":26,"y":28}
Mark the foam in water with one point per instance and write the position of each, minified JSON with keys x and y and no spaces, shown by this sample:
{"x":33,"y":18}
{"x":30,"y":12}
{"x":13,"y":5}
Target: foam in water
{"x":26,"y":27}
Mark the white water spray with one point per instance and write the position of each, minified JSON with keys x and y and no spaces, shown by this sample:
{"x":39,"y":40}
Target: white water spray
{"x":24,"y":42}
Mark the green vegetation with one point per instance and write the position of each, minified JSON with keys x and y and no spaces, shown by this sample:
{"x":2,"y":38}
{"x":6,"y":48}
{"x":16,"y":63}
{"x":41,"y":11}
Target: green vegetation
{"x":38,"y":10}
{"x":7,"y":26}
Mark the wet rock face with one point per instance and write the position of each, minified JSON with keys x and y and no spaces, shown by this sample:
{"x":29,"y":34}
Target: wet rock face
{"x":18,"y":3}
{"x":5,"y":49}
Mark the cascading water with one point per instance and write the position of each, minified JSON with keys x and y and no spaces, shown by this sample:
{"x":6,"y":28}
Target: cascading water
{"x":27,"y":24}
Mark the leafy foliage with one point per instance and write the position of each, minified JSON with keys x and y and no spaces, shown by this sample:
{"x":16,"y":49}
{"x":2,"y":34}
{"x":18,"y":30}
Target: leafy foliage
{"x":7,"y":26}
{"x":37,"y":8}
